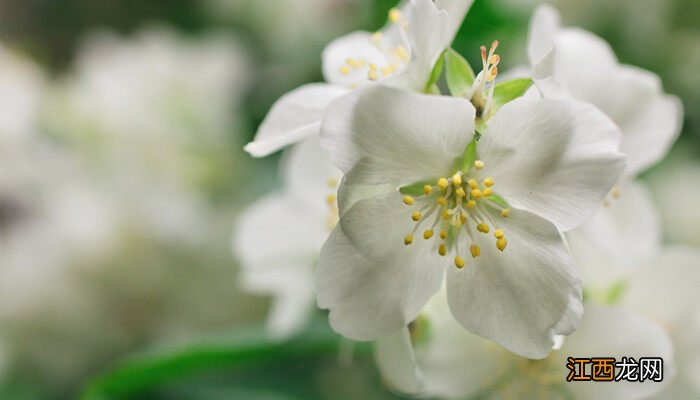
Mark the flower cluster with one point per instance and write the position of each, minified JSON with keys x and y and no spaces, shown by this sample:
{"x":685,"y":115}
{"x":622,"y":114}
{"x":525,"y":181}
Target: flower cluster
{"x":470,"y":211}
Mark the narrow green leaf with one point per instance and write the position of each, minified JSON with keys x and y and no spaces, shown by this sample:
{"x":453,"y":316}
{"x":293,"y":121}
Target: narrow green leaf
{"x":470,"y":155}
{"x":459,"y":74}
{"x":246,"y":347}
{"x":435,"y":75}
{"x":507,"y":91}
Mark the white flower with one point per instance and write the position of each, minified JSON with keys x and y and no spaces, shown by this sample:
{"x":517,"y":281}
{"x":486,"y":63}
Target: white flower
{"x":623,"y":262}
{"x":153,"y":114}
{"x":439,"y":359}
{"x":402,"y":54}
{"x":278,"y":238}
{"x":542,"y":165}
{"x":586,"y":66}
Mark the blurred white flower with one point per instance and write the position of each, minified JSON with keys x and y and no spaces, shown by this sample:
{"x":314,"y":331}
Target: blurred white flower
{"x":278,"y":238}
{"x":439,"y":359}
{"x":588,"y":69}
{"x":402,"y":54}
{"x":423,"y":144}
{"x":155,"y":113}
{"x":623,"y":262}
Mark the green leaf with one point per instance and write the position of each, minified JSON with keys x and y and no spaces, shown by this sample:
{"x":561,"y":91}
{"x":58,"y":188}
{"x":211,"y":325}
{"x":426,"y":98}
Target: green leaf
{"x":459,"y":74}
{"x":250,"y":346}
{"x":507,"y":91}
{"x":470,"y":155}
{"x":435,"y":75}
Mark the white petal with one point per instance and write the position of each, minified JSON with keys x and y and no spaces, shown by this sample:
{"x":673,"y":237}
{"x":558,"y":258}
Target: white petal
{"x":278,"y":231}
{"x":630,"y":335}
{"x":555,"y":158}
{"x":429,"y":33}
{"x":293,"y":117}
{"x":310,"y":176}
{"x":369,"y":298}
{"x":546,"y":83}
{"x":456,"y":11}
{"x":396,"y":136}
{"x":522,"y":297}
{"x":455,"y":363}
{"x":397,"y":362}
{"x":293,"y":292}
{"x":667,"y":288}
{"x":618,"y":240}
{"x":649,"y":119}
{"x":544,"y":25}
{"x":585,"y":64}
{"x":357,"y":46}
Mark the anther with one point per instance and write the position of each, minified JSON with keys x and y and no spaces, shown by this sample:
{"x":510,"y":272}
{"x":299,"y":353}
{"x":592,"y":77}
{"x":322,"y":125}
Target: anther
{"x":471,"y":204}
{"x":372,"y":75}
{"x":427,"y":189}
{"x":427,"y":234}
{"x":488,"y":182}
{"x":505,"y":213}
{"x":463,"y":218}
{"x":442,"y":250}
{"x":459,"y":262}
{"x":457,"y":180}
{"x":460,"y":192}
{"x":373,"y":67}
{"x":483,"y":228}
{"x":479,"y":164}
{"x":345,"y":70}
{"x":487,"y":192}
{"x":394,"y":15}
{"x":476,"y":193}
{"x":472,"y":184}
{"x":441,"y":201}
{"x":442,"y":183}
{"x":415,"y":216}
{"x":332,"y":182}
{"x":475,"y":250}
{"x":445,"y":214}
{"x":443,"y":234}
{"x":498,"y":234}
{"x":408,"y":239}
{"x":408,"y":200}
{"x":402,"y":53}
{"x":501,"y":244}
{"x":330,"y":199}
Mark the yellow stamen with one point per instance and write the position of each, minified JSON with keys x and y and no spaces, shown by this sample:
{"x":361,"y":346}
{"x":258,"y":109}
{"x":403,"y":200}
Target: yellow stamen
{"x":443,"y":234}
{"x":488,"y":182}
{"x":479,"y":164}
{"x":471,"y":204}
{"x":498,"y":234}
{"x":457,"y":180}
{"x":373,"y":67}
{"x":442,"y":183}
{"x":477,"y":193}
{"x":408,"y":200}
{"x":445,"y":214}
{"x":402,"y":53}
{"x":345,"y":70}
{"x":355,"y":63}
{"x":483,"y":228}
{"x":332,"y":182}
{"x":394,"y":15}
{"x":408,"y":239}
{"x":442,"y":250}
{"x":472,"y":184}
{"x":460,"y":192}
{"x":372,"y":75}
{"x":505,"y":213}
{"x":441,"y":201}
{"x":463,"y":218}
{"x":330,"y":199}
{"x":475,"y":250}
{"x":487,"y":192}
{"x":415,"y":216}
{"x":427,"y":189}
{"x":459,"y":262}
{"x":501,"y":244}
{"x":428,"y":234}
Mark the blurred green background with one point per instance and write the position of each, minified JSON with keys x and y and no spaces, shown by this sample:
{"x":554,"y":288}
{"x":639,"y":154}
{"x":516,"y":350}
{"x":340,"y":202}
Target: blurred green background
{"x":166,"y":318}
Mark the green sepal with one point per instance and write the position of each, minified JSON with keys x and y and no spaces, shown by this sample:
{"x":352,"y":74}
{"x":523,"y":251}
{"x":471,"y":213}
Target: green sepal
{"x":470,"y":155}
{"x":510,"y":90}
{"x":458,"y":73}
{"x":435,"y":74}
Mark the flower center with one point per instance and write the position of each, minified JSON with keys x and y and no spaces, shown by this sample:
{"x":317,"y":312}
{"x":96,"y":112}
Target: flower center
{"x":454,"y":206}
{"x":481,"y":94}
{"x":393,"y":53}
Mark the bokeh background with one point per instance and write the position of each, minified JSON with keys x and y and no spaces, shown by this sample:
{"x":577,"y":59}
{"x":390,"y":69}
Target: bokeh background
{"x":122,"y":173}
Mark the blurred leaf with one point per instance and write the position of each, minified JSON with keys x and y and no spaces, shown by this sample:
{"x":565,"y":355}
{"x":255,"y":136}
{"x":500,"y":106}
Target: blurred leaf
{"x":246,"y":347}
{"x":507,"y":91}
{"x":459,"y":73}
{"x":435,"y":74}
